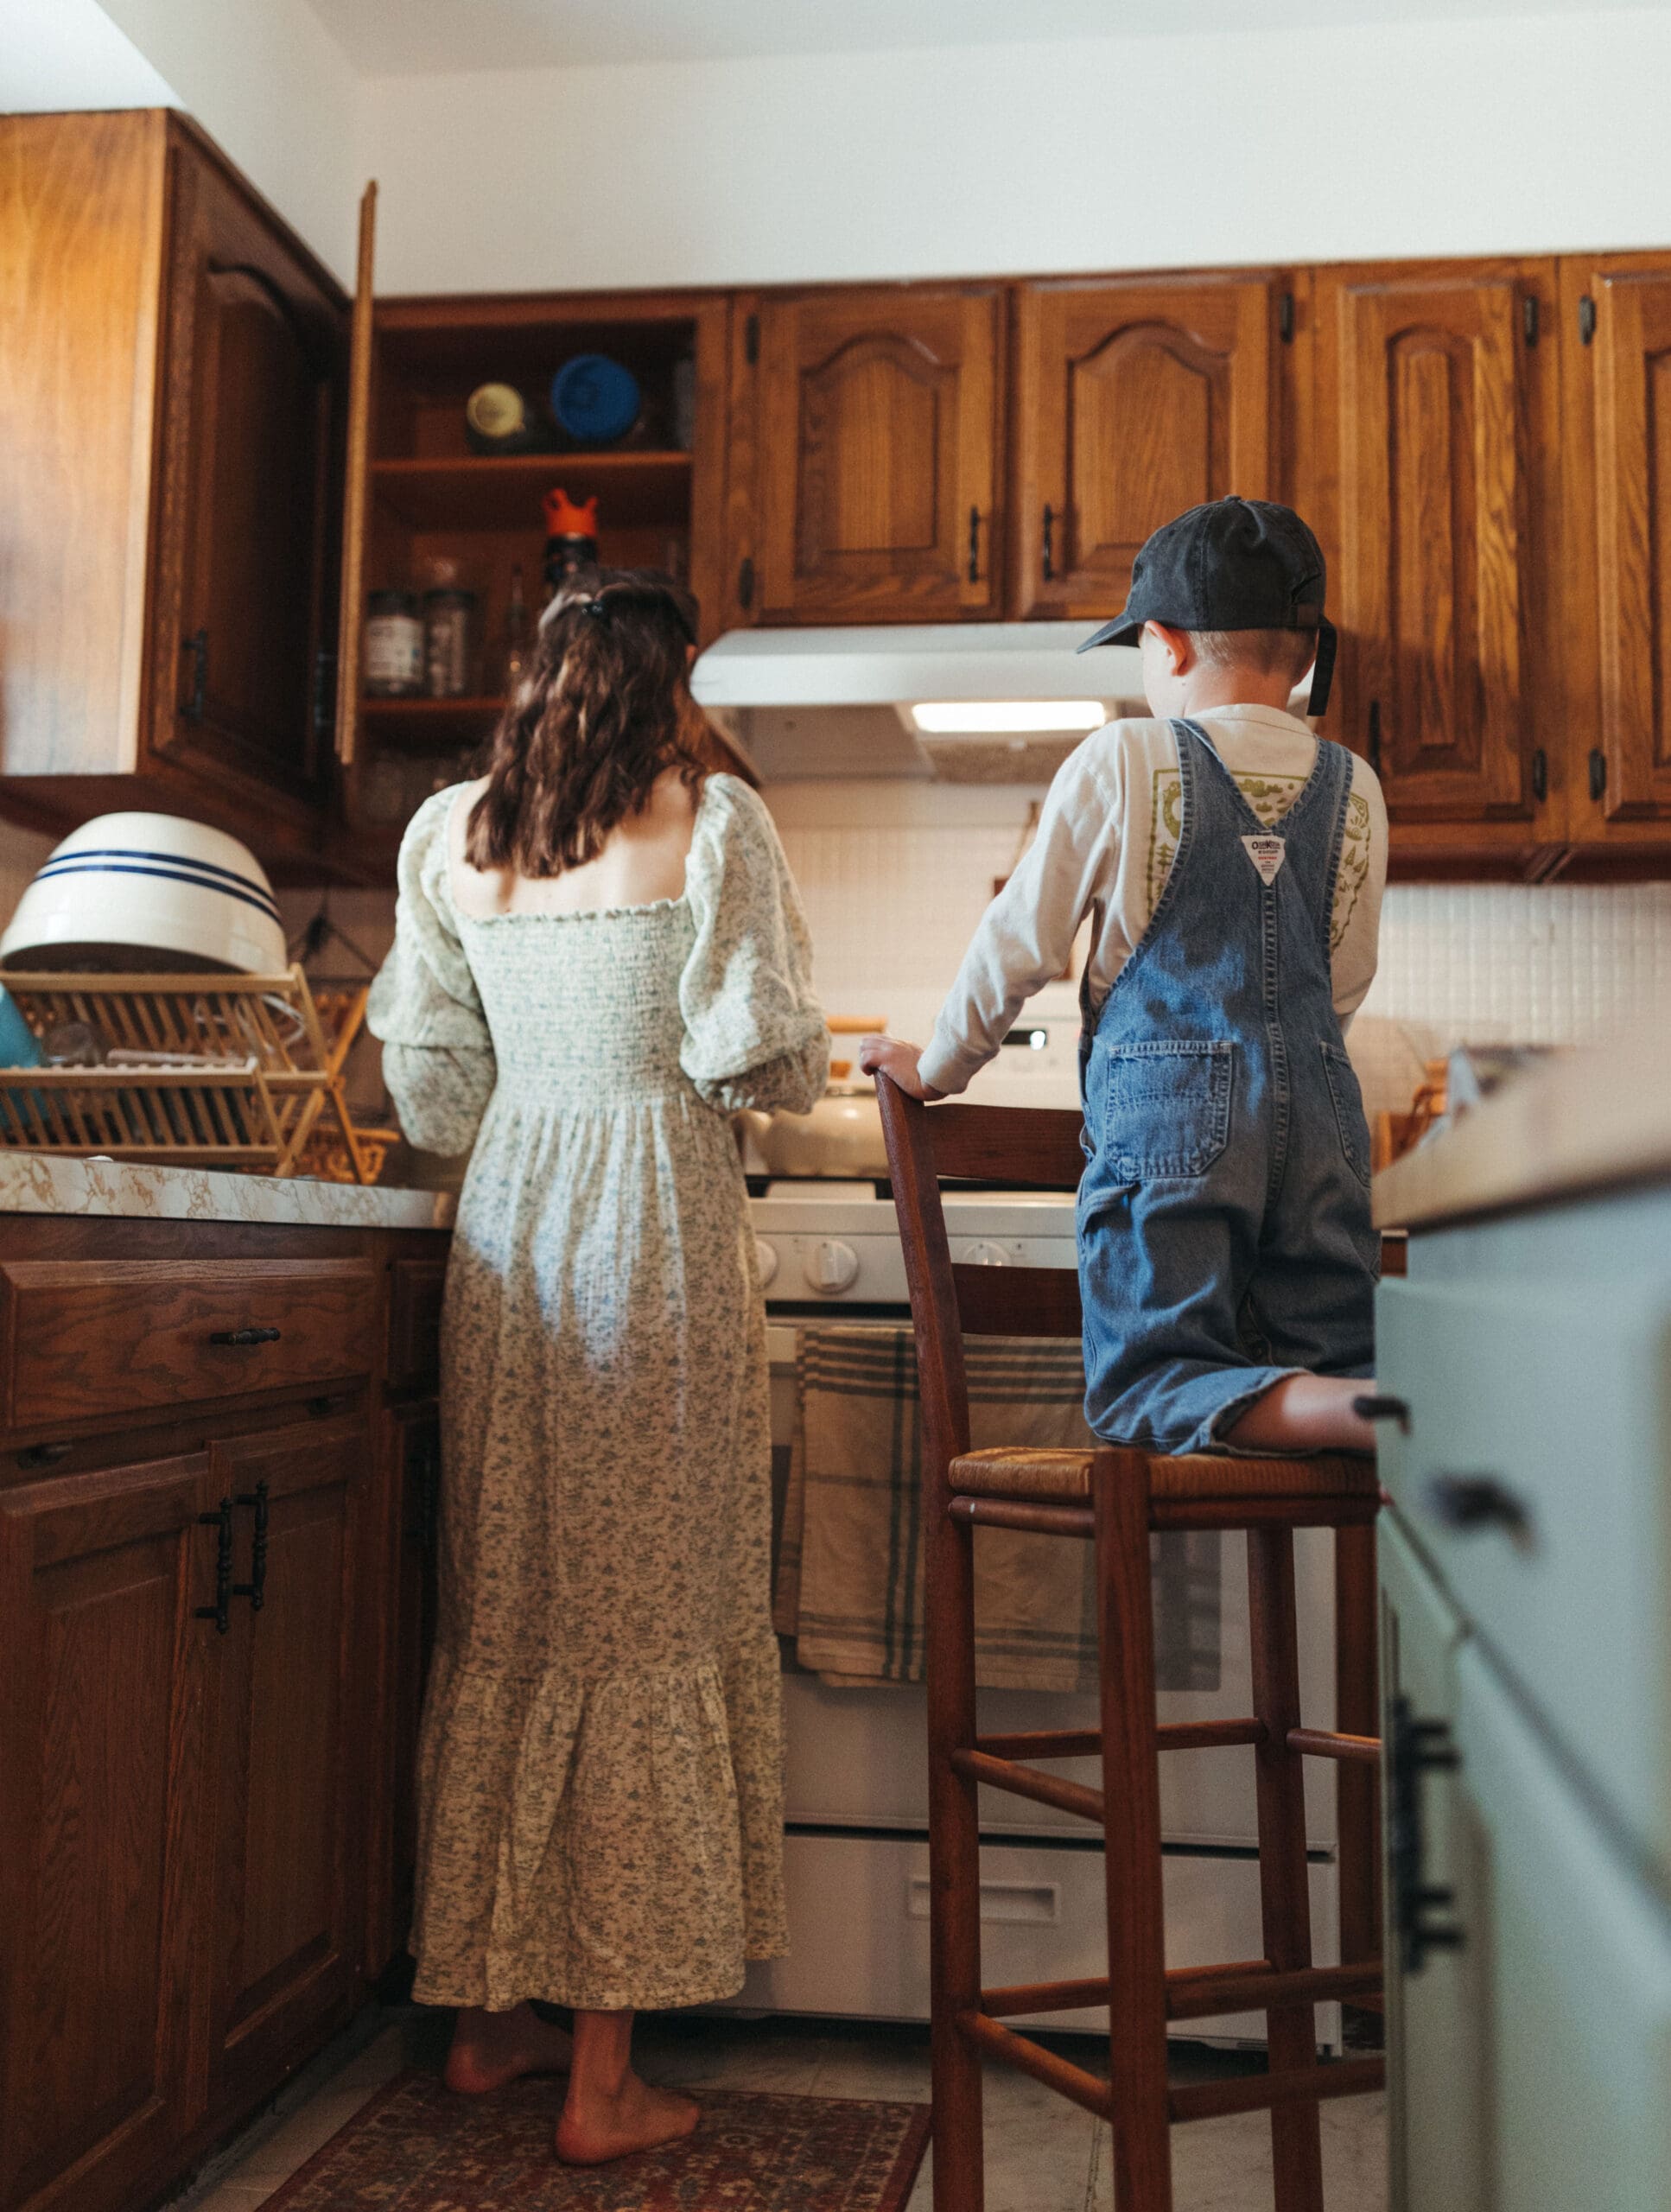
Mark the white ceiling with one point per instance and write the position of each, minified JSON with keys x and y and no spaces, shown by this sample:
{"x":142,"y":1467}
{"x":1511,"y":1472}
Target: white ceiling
{"x":424,"y":37}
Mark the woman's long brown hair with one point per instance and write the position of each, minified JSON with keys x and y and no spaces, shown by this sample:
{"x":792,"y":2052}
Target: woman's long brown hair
{"x":604,"y":710}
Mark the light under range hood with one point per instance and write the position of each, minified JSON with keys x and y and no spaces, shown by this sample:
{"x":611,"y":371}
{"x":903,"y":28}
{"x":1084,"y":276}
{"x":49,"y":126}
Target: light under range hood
{"x":838,"y":702}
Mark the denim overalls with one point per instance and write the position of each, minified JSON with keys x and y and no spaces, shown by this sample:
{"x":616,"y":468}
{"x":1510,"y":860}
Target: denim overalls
{"x":1224,"y":1219}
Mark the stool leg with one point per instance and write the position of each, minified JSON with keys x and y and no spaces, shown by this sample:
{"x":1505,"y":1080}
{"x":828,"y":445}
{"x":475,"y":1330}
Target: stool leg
{"x":1285,"y":1891}
{"x":954,"y":1851}
{"x":1131,"y":1785}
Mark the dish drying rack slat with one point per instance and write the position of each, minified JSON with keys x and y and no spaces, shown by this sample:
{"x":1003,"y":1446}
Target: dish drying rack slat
{"x":199,"y":1071}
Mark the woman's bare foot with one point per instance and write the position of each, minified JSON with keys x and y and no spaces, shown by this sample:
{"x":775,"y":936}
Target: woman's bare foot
{"x":490,"y":2049}
{"x":598,"y":2126}
{"x":1306,"y":1412}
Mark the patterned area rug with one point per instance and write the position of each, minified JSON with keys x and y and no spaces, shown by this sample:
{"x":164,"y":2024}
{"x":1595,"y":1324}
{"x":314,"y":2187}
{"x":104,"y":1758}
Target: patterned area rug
{"x":418,"y":2148}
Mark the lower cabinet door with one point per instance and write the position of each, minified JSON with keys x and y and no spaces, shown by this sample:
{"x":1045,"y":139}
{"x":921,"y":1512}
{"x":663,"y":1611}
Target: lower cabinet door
{"x":103,"y":1665}
{"x":1574,"y":1955}
{"x":1436,"y":2055}
{"x":288,"y":1780}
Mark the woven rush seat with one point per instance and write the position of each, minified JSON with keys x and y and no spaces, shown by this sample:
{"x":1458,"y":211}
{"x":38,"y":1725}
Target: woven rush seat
{"x":1064,"y":1477}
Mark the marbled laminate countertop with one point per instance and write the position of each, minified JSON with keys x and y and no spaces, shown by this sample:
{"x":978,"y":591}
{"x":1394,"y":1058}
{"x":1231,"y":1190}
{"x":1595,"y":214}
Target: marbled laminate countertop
{"x":33,"y":1183}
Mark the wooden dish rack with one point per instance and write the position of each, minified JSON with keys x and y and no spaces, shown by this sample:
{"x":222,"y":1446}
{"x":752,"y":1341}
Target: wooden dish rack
{"x":202,"y":1070}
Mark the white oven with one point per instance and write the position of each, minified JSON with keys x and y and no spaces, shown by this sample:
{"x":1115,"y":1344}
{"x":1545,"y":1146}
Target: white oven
{"x":857,"y":1809}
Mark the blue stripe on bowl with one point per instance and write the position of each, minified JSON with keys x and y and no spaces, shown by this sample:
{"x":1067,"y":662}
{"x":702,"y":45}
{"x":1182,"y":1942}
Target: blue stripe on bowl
{"x":71,"y":867}
{"x":168,"y":860}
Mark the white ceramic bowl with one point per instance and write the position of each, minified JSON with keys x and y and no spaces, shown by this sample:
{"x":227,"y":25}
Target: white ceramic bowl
{"x":139,"y":891}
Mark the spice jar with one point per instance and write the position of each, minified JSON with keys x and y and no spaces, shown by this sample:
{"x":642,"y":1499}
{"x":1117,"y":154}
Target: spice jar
{"x":448,"y":625}
{"x":394,"y":645}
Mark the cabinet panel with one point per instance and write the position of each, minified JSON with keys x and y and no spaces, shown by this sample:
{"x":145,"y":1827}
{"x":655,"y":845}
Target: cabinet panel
{"x":1574,"y":1959}
{"x":877,"y":459}
{"x":1620,"y":442}
{"x":288,"y":1748}
{"x":101,"y":1714}
{"x":250,"y":464}
{"x":1437,"y":403}
{"x":1134,"y":400}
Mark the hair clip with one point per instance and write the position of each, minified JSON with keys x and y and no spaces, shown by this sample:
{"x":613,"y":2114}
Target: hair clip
{"x":597,"y":608}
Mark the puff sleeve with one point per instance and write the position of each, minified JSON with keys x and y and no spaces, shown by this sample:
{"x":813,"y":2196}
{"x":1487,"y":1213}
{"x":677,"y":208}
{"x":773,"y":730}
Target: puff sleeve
{"x":438,"y":1063}
{"x":754,"y":1033}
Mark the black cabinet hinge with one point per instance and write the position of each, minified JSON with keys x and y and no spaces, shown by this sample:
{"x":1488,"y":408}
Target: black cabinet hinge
{"x":1528,"y":317}
{"x":324,"y":692}
{"x":752,"y":340}
{"x":1597,"y":773}
{"x":1285,"y":318}
{"x":1586,"y":320}
{"x":746,"y":583}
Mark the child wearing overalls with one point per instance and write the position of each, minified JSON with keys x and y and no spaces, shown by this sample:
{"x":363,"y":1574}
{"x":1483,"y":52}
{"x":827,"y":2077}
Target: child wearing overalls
{"x":1231,"y":867}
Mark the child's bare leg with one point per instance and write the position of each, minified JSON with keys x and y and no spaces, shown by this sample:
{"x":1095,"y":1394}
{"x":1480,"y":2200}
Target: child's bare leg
{"x":490,"y":2049}
{"x":609,"y":2111}
{"x":1306,"y":1412}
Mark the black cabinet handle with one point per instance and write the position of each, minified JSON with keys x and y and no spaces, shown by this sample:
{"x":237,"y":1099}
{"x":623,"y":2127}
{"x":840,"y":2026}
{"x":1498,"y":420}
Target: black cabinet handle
{"x":196,"y":706}
{"x":746,"y":583}
{"x":1381,"y":1408}
{"x":1597,"y":773}
{"x":1415,"y":1749}
{"x":255,"y":1588}
{"x":1540,"y":775}
{"x":1048,"y":549}
{"x":244,"y":1336}
{"x":221,"y":1611}
{"x":975,"y":545}
{"x":1373,"y":743}
{"x":44,"y":1455}
{"x":1468,"y":1503}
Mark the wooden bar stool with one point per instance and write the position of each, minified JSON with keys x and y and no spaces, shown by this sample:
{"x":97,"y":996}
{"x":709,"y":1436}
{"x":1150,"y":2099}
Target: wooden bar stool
{"x":1115,"y":1497}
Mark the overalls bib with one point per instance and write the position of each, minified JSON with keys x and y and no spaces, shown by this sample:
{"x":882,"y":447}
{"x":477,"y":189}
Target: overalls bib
{"x":1223,"y":1218}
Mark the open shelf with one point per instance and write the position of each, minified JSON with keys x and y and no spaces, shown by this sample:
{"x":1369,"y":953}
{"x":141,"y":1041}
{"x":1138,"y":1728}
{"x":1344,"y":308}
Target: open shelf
{"x":504,"y":491}
{"x":440,"y":723}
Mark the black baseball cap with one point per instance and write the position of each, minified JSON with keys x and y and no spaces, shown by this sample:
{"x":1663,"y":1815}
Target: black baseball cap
{"x":1230,"y":564}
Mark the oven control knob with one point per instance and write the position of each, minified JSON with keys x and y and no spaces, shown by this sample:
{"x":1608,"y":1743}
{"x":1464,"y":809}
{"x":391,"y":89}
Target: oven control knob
{"x":766,"y":1258}
{"x":985,"y":1254}
{"x":832,"y":1265}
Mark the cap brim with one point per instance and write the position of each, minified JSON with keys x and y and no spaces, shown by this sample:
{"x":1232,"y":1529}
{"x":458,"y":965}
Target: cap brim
{"x":1124,"y":630}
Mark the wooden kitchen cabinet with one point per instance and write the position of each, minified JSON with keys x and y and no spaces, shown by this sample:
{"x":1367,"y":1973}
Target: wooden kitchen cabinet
{"x":171,"y":387}
{"x":290,"y":1747}
{"x":872,"y":454}
{"x":102,"y":1717}
{"x":1615,"y":329}
{"x":1438,"y":419}
{"x":1136,"y":397}
{"x":192,"y":1895}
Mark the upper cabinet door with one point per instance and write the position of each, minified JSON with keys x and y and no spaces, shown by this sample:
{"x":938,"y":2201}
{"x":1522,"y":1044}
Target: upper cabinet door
{"x":1436,"y":396}
{"x":877,"y":460}
{"x":245,"y":551}
{"x":1617,"y":317}
{"x":1135,"y":399}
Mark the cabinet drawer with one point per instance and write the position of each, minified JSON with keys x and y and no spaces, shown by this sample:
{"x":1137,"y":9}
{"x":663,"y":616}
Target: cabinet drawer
{"x":84,"y":1338}
{"x":1534,"y":1476}
{"x":417,"y":1288}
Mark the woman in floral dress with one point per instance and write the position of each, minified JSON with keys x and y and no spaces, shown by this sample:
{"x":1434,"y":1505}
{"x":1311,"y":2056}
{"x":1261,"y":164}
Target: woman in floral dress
{"x":599,"y":955}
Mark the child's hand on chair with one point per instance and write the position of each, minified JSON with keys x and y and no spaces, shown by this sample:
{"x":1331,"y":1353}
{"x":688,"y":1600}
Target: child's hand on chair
{"x":890,"y":1057}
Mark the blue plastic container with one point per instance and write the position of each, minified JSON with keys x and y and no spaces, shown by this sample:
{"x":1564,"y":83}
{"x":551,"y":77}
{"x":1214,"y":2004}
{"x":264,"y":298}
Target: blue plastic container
{"x":19,"y":1048}
{"x":595,"y":400}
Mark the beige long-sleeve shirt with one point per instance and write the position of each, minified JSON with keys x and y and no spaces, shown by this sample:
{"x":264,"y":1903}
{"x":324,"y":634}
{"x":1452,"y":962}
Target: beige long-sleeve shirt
{"x":1104,"y":848}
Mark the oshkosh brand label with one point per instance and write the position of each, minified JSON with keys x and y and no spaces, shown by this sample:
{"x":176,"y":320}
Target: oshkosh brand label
{"x":1267,"y":854}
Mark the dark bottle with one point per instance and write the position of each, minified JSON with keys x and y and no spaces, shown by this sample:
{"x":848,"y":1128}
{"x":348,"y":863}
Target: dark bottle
{"x":572,"y":544}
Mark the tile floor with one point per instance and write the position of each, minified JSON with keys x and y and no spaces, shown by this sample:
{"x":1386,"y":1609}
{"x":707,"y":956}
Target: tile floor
{"x":1042,"y":2155}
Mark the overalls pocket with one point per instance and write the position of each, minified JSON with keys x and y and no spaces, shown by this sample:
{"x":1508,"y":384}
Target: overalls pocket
{"x":1348,"y":1098}
{"x":1167,"y":1105}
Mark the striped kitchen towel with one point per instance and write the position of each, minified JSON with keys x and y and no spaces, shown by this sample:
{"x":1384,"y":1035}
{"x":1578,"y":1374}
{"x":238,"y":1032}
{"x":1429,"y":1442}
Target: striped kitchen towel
{"x":849,"y":1588}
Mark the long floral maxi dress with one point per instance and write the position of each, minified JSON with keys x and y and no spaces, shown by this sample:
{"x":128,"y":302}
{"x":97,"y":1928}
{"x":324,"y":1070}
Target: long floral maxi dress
{"x":600,"y":1772}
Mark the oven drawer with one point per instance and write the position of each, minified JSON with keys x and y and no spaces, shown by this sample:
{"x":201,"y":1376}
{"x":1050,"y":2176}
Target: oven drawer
{"x":858,"y":1928}
{"x":1533,"y":1477}
{"x":88,"y":1338}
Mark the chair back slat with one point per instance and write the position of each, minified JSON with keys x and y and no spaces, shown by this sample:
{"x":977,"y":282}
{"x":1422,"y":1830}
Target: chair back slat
{"x":1035,"y":1148}
{"x":1017,"y":1301}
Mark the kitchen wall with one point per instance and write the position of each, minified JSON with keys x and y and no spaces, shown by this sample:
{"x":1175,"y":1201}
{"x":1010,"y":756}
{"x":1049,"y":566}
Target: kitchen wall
{"x":1444,"y":137}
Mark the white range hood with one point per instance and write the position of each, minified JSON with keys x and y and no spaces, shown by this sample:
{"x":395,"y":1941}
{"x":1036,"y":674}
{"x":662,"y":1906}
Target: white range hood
{"x":837,"y":702}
